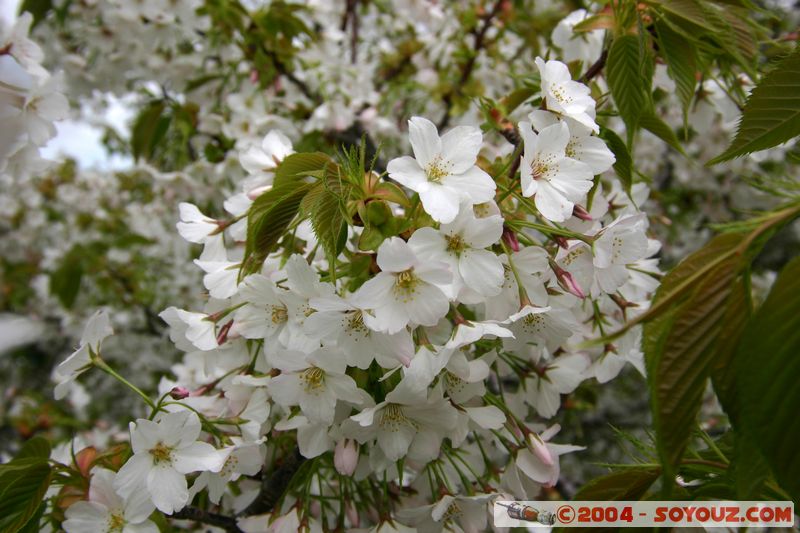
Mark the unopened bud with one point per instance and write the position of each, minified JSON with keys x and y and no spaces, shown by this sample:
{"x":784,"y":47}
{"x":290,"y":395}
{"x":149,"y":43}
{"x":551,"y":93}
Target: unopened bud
{"x":581,"y":213}
{"x":254,"y":76}
{"x":538,"y":448}
{"x":352,"y":515}
{"x":566,"y":281}
{"x":222,"y":336}
{"x":510,"y":239}
{"x":179,"y":393}
{"x":345,"y":457}
{"x":561,"y":241}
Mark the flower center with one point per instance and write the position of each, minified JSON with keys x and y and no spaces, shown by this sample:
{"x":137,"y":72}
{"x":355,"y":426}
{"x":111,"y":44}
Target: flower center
{"x":453,"y":382}
{"x":116,"y":522}
{"x":356,"y":323}
{"x":161,"y":453}
{"x":560,"y":94}
{"x":279,"y":314}
{"x":313,"y":379}
{"x":455,"y":244}
{"x":438,"y":169}
{"x":405,"y":284}
{"x":452,"y":511}
{"x":393,"y":417}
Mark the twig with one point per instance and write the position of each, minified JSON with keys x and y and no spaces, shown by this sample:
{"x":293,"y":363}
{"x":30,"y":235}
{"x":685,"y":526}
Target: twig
{"x":595,"y":69}
{"x":478,"y":45}
{"x":274,"y":485}
{"x":228,"y":523}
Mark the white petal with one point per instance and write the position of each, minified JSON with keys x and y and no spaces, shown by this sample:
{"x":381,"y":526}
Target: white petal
{"x":482,"y":271}
{"x":196,"y":457}
{"x":441,"y":203}
{"x":474,"y":183}
{"x":406,"y":171}
{"x":167,"y":488}
{"x":460,"y":147}
{"x":395,"y":255}
{"x":424,"y":139}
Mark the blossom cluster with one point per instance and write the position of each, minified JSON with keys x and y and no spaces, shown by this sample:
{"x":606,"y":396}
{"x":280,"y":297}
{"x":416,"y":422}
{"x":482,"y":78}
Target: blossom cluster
{"x":442,"y":362}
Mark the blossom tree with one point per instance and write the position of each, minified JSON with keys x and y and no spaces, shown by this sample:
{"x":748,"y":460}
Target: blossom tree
{"x":375,"y":265}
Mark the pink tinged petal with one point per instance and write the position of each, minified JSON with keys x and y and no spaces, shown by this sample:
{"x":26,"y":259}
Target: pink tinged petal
{"x":198,"y":456}
{"x":424,"y":139}
{"x":552,"y":204}
{"x":539,"y":449}
{"x":132,"y":477}
{"x":534,"y":468}
{"x":167,"y":488}
{"x":460,"y":147}
{"x":440,"y":202}
{"x":345,"y":457}
{"x":474,"y":183}
{"x":406,"y":171}
{"x":482,"y":271}
{"x":395,"y":255}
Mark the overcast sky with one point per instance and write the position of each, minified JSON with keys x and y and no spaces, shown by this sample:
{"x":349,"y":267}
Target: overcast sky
{"x":77,"y":138}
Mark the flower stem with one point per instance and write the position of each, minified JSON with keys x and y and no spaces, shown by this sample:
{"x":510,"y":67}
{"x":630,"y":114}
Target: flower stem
{"x":102,"y":365}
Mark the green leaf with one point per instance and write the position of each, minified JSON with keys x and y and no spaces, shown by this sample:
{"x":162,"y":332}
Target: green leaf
{"x":23,"y":484}
{"x":623,"y":165}
{"x":629,"y":484}
{"x":37,"y":8}
{"x":681,"y":60}
{"x":767,"y":367}
{"x":771,"y":115}
{"x":37,"y":447}
{"x":626,"y":78}
{"x":660,"y":129}
{"x":65,"y":281}
{"x":267,"y":221}
{"x":147,"y":130}
{"x":329,"y":214}
{"x":296,"y":166}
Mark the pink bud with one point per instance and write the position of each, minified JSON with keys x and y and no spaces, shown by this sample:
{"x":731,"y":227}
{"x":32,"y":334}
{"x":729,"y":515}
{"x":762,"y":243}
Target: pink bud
{"x":352,"y":515}
{"x":179,"y":393}
{"x":345,"y":457}
{"x":510,"y":239}
{"x":254,"y":76}
{"x":561,"y":241}
{"x":222,"y":336}
{"x":539,"y":449}
{"x":581,"y":213}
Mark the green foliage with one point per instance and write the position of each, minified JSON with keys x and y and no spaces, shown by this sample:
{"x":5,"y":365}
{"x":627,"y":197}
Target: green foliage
{"x":148,"y":129}
{"x":23,"y":483}
{"x":767,"y":366}
{"x":652,"y":123}
{"x":296,"y":166}
{"x":65,"y":281}
{"x":267,"y":221}
{"x":623,"y":165}
{"x":627,"y":77}
{"x":38,"y":8}
{"x":621,"y":485}
{"x":771,"y":115}
{"x":681,"y":61}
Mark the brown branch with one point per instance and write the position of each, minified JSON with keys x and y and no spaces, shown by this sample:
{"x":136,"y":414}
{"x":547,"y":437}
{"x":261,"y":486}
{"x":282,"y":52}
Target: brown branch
{"x":273,"y":486}
{"x":228,"y":523}
{"x":478,"y":44}
{"x":595,"y":69}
